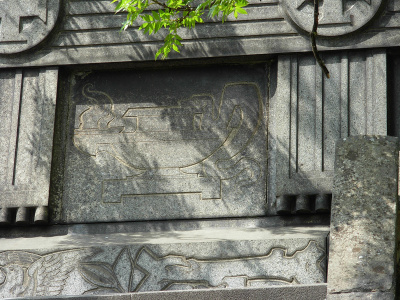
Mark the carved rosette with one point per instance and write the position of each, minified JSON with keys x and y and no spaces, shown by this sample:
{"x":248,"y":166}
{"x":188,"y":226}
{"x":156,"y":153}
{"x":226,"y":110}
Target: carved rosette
{"x":24,"y":24}
{"x":336,"y":17}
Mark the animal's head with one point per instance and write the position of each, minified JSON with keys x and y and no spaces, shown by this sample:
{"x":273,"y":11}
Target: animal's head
{"x":11,"y":280}
{"x":12,"y":273}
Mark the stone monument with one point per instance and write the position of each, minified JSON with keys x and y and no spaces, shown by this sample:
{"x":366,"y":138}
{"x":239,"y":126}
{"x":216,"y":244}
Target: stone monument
{"x":210,"y":175}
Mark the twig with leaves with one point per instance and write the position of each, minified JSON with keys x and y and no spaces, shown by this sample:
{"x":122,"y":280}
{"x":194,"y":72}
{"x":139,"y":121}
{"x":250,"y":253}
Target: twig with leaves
{"x":175,"y":14}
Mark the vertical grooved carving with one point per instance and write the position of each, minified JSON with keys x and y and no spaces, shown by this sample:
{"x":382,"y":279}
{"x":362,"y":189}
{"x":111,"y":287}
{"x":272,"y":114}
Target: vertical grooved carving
{"x":312,"y":113}
{"x":14,"y":130}
{"x":319,"y":119}
{"x":293,"y":149}
{"x":344,"y":96}
{"x":26,"y":136}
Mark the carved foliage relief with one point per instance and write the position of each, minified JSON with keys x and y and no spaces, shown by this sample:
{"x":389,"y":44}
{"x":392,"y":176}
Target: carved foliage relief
{"x":138,"y":269}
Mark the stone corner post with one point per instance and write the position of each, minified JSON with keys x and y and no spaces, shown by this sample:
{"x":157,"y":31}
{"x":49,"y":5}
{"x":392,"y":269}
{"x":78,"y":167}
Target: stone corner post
{"x":362,"y":254}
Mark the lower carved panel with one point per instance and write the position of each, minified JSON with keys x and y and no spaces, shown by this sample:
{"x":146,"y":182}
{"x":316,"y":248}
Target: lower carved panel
{"x":157,"y":267}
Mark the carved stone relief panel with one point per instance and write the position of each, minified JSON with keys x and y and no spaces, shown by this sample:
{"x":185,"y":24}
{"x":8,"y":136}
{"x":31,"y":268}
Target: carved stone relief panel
{"x":27,"y":109}
{"x":176,"y":266}
{"x":188,"y":143}
{"x":310,"y":113}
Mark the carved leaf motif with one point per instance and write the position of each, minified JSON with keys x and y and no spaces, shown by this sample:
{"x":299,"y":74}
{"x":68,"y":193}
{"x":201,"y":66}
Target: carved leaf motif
{"x":100,"y":275}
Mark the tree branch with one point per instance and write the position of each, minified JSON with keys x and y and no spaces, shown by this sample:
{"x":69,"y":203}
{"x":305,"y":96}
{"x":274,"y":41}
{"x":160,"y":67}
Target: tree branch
{"x":184,"y":8}
{"x":313,"y":36}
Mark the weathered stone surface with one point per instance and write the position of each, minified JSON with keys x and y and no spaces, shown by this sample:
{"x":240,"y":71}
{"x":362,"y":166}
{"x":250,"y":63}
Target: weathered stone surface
{"x":309,"y":113}
{"x":362,"y":296}
{"x":27,"y":108}
{"x":88,"y":33}
{"x":292,"y":292}
{"x":172,"y":144}
{"x":394,"y":95}
{"x":364,"y":214}
{"x":25,"y":24}
{"x":155,"y":261}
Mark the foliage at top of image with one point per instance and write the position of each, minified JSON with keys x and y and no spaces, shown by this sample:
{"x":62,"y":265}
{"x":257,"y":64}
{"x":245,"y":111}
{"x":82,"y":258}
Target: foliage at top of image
{"x":175,"y":14}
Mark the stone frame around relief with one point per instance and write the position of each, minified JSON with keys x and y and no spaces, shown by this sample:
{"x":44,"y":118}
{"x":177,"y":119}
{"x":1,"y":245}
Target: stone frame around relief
{"x":147,"y":159}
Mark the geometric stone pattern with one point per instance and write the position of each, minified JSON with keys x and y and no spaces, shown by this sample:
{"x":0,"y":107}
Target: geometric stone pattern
{"x":86,"y":34}
{"x":309,"y":113}
{"x":24,"y":24}
{"x":27,"y":109}
{"x":155,"y":267}
{"x":165,"y":148}
{"x":336,"y":18}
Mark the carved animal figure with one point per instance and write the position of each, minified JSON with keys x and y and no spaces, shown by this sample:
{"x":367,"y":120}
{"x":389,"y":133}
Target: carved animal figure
{"x":25,"y":274}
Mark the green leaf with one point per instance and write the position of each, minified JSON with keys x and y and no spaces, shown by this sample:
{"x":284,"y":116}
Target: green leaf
{"x":144,"y":25}
{"x":167,"y":50}
{"x":175,"y":47}
{"x":156,"y":16}
{"x":157,"y":27}
{"x":158,"y":53}
{"x":241,"y":11}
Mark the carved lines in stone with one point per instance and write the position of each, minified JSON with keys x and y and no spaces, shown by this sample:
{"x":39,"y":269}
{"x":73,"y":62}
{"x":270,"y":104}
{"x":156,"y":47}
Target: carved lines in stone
{"x":28,"y":106}
{"x":107,"y":277}
{"x":14,"y":129}
{"x":188,"y":148}
{"x":312,"y":113}
{"x":336,"y":17}
{"x":25,"y":23}
{"x":25,"y":274}
{"x":277,"y":266}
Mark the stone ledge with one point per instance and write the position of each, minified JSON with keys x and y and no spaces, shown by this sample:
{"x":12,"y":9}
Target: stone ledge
{"x":299,"y":292}
{"x":94,"y":236}
{"x":362,"y":296}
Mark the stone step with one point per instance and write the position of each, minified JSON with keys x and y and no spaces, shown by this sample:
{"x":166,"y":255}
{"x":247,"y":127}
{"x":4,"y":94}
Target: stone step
{"x":292,"y":292}
{"x":91,"y":260}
